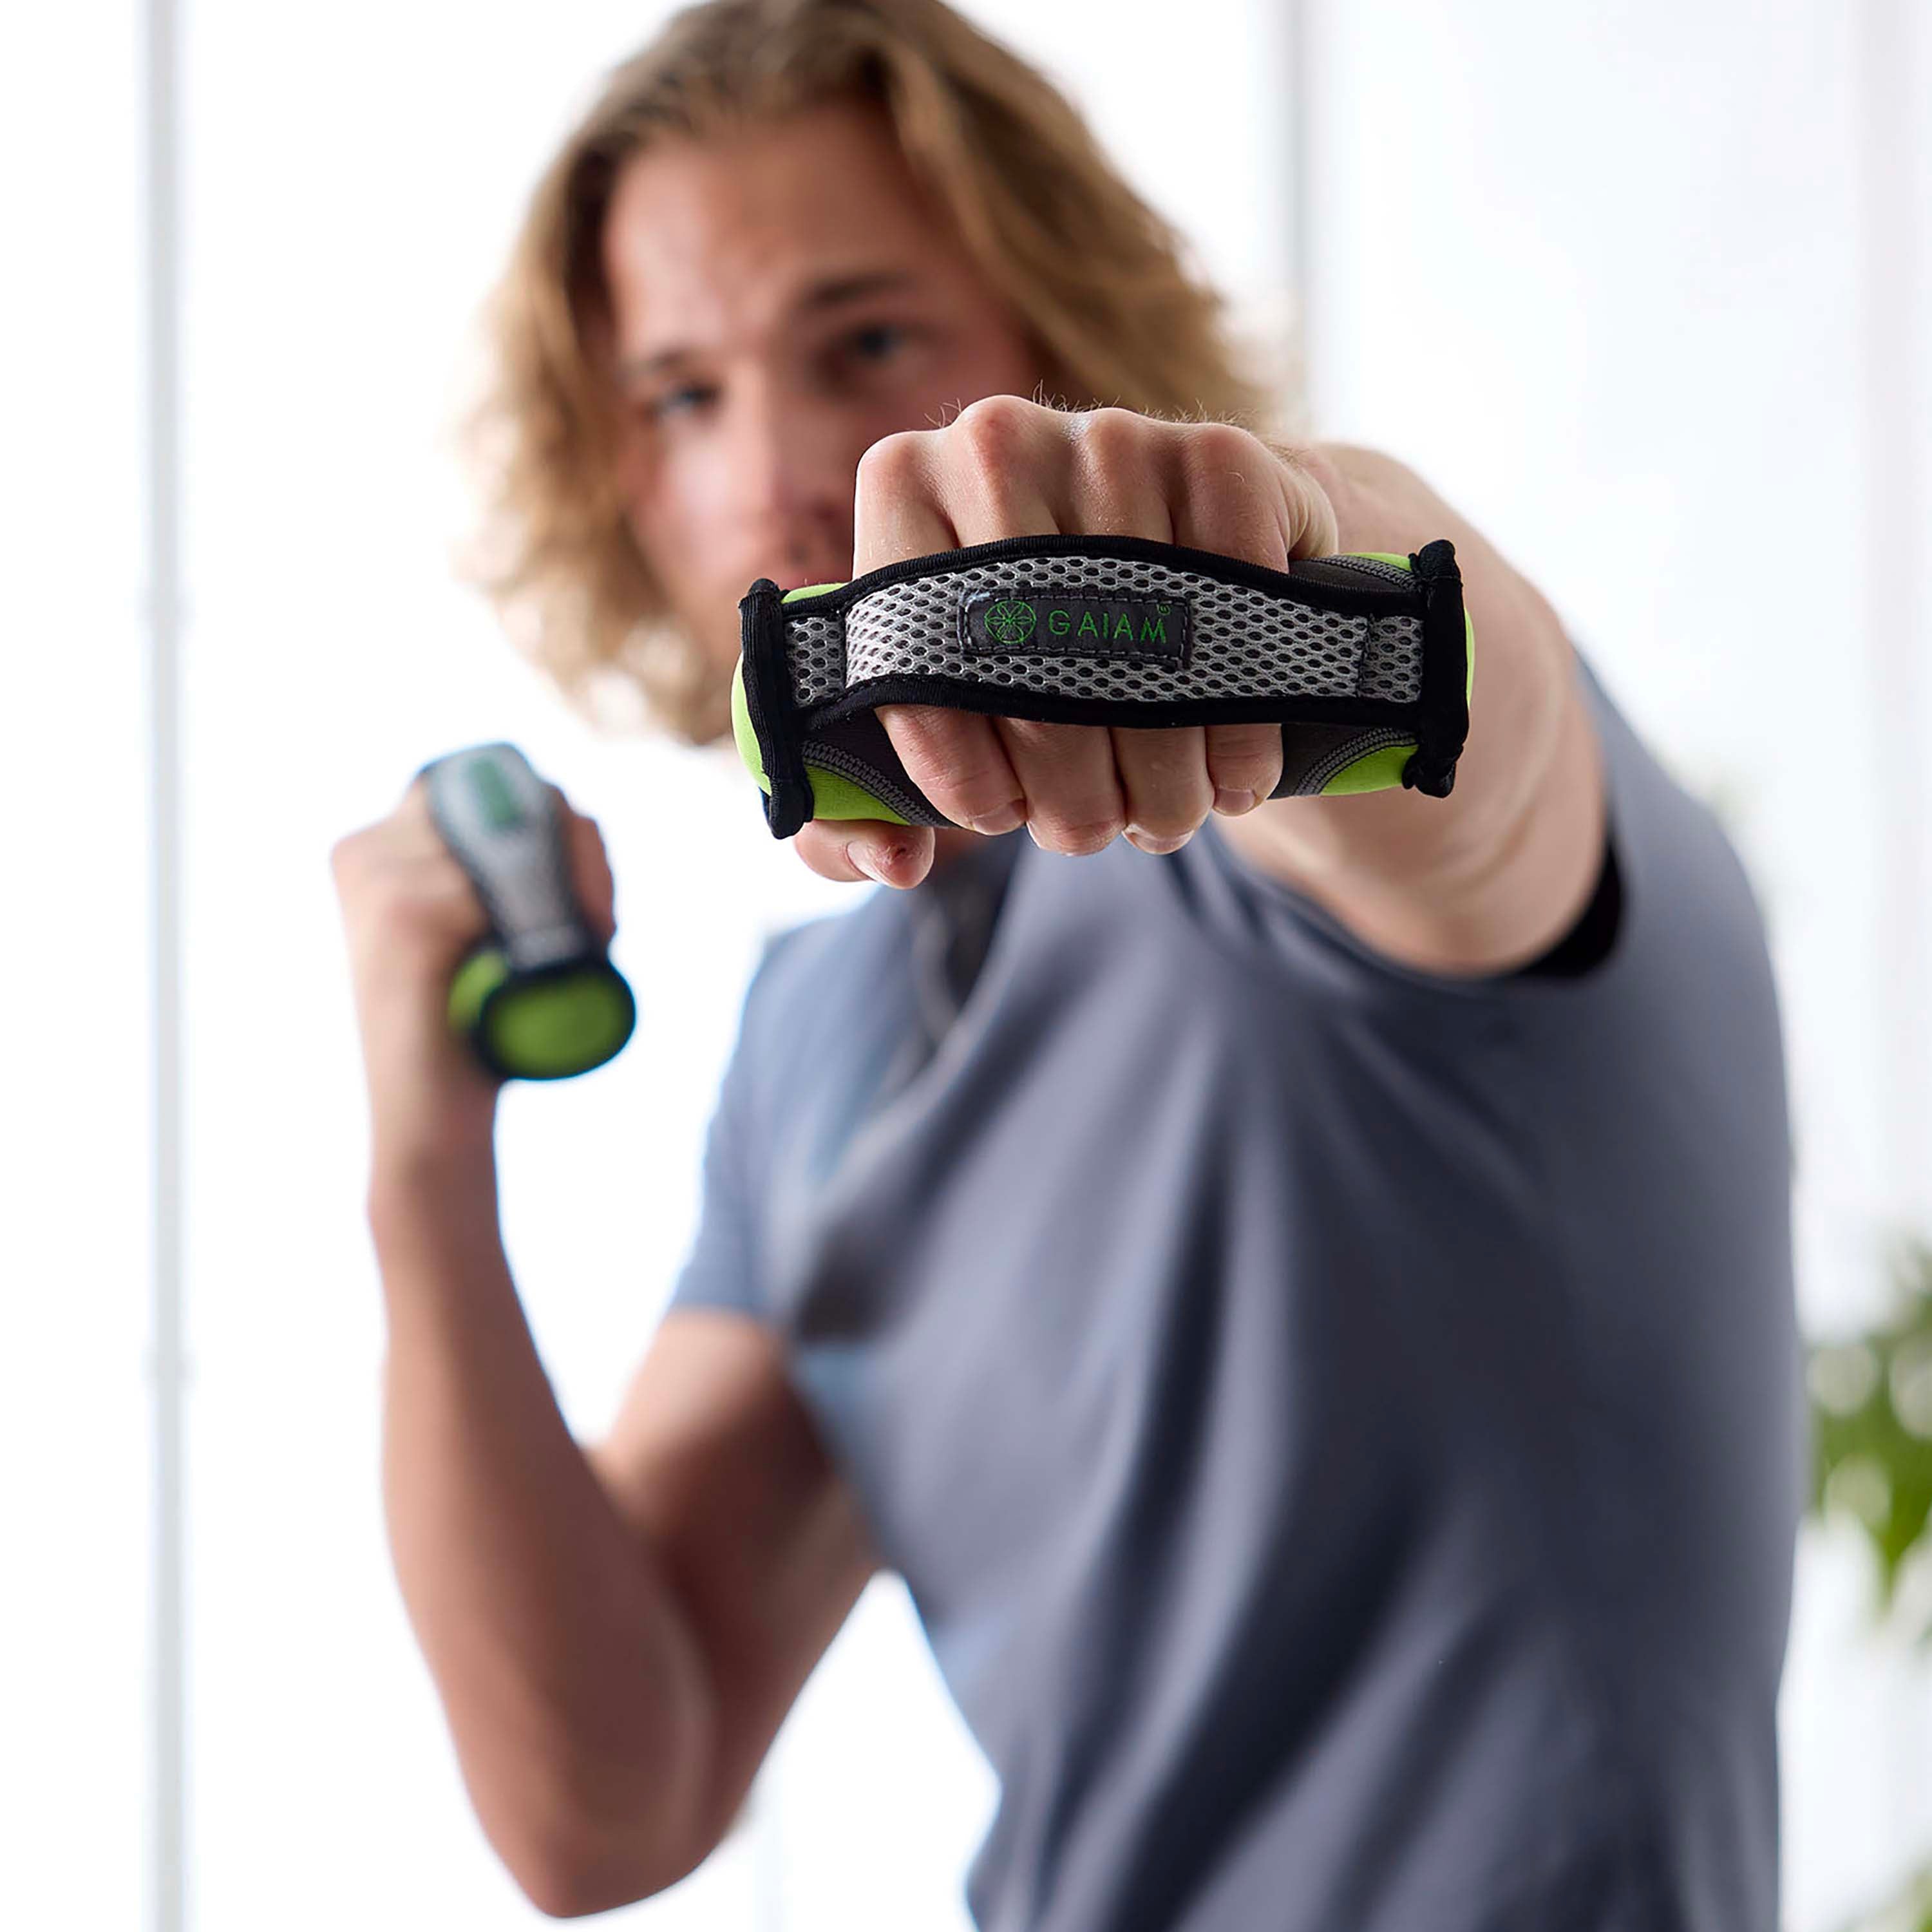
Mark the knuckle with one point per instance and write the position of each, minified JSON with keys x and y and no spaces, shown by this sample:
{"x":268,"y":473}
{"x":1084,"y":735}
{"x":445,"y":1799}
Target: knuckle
{"x":1217,"y":448}
{"x":1258,"y":776}
{"x":1175,"y":816}
{"x":1114,"y":437}
{"x":1245,"y":757}
{"x":1075,"y":831}
{"x":893,"y":461}
{"x":976,"y":794}
{"x":995,"y":429}
{"x":1083,"y":841}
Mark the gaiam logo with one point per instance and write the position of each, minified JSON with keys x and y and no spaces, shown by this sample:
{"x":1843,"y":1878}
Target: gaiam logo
{"x":1043,"y":620}
{"x":1011,"y":622}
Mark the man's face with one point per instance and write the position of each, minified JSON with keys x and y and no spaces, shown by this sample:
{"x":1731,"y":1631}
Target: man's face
{"x":781,"y":300}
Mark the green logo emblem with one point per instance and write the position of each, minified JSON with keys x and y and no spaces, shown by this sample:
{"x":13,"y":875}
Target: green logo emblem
{"x":1042,"y":620}
{"x":1010,"y":623}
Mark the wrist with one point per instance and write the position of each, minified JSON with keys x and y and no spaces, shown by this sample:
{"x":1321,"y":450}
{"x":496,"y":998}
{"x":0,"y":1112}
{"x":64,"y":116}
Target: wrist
{"x":417,"y":1179}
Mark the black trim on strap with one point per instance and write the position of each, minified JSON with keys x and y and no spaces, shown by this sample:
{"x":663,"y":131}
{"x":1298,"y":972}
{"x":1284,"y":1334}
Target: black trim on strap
{"x":1016,"y":701}
{"x":1430,"y":590}
{"x":1442,"y":720}
{"x":1364,"y":600}
{"x":768,"y":700}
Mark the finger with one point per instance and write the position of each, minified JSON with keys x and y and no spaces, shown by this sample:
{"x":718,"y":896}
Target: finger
{"x":958,"y":759}
{"x":588,"y":865}
{"x":903,"y":508}
{"x":1233,"y":497}
{"x":984,"y":477}
{"x":1077,"y":795}
{"x":1311,"y":481}
{"x":893,"y":855}
{"x":1072,"y":790}
{"x":590,"y":874}
{"x":896,"y":509}
{"x":1122,"y":476}
{"x":1126,"y":481}
{"x":1244,"y":765}
{"x":1239,"y":498}
{"x":1163,"y":774}
{"x":1006,"y":471}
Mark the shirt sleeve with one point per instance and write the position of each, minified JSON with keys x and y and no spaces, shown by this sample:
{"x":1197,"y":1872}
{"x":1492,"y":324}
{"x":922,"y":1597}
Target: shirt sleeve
{"x":721,"y":1269}
{"x":1283,"y":922}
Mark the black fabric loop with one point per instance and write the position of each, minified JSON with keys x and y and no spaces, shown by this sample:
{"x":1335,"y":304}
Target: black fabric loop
{"x":768,"y":701}
{"x":1442,"y":720}
{"x":829,"y":725}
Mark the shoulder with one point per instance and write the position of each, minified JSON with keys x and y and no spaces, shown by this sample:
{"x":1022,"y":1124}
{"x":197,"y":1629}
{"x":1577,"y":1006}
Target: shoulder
{"x":794,"y":960}
{"x":818,"y":986}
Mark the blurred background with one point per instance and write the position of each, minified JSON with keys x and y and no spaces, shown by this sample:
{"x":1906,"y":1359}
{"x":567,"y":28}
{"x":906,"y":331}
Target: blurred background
{"x":1641,"y":288}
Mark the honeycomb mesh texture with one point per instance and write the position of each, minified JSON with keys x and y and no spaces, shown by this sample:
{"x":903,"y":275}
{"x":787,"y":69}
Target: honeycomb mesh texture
{"x":818,"y":647}
{"x":1246,"y":643}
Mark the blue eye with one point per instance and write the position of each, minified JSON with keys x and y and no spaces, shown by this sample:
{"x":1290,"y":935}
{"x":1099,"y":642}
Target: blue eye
{"x":670,"y":402}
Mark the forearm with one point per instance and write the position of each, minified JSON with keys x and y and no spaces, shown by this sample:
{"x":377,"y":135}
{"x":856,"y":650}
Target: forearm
{"x":1524,"y":715}
{"x":575,"y":1693}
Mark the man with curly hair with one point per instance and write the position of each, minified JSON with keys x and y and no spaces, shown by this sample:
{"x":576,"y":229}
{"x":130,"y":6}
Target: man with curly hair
{"x":1299,"y":1287}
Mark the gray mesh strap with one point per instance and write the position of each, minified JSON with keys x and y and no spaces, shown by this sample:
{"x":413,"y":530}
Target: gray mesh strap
{"x":1348,"y":655}
{"x":499,"y":821}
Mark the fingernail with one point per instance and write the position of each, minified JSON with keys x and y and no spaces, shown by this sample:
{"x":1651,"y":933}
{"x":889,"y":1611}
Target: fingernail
{"x":1159,"y":847}
{"x":1233,"y":803}
{"x":992,"y":824}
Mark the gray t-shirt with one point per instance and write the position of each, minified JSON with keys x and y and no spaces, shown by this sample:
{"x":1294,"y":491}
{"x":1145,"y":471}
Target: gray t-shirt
{"x":1338,"y":1425}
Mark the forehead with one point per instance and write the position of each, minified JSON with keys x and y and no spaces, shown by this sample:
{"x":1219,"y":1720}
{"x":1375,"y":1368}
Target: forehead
{"x":705,"y":239}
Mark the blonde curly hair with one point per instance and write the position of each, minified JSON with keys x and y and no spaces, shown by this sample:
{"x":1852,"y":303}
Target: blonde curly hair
{"x":1097,"y":276}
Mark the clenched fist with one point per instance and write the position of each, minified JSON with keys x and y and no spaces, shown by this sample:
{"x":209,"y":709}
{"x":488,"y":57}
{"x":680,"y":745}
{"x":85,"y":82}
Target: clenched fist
{"x":1006,"y":467}
{"x":410,"y":914}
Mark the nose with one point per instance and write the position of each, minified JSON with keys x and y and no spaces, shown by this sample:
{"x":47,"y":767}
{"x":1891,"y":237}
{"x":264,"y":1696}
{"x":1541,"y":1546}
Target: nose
{"x":795,"y":460}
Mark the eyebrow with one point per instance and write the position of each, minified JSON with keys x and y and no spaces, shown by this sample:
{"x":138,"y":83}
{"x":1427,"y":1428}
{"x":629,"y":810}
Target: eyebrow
{"x":831,"y":292}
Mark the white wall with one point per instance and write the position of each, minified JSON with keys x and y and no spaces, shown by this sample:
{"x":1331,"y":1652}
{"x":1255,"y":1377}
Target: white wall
{"x":1636,"y":287}
{"x":1600,"y":275}
{"x":74,"y":1196}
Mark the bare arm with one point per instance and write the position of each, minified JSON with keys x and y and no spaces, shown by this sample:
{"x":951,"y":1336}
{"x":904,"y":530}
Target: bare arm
{"x":1490,"y":877}
{"x":616,"y":1634}
{"x":1475,"y":882}
{"x":714,"y":1464}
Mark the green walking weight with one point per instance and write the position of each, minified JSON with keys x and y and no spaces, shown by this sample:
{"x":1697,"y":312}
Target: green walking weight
{"x":1366,"y":661}
{"x":539,"y":999}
